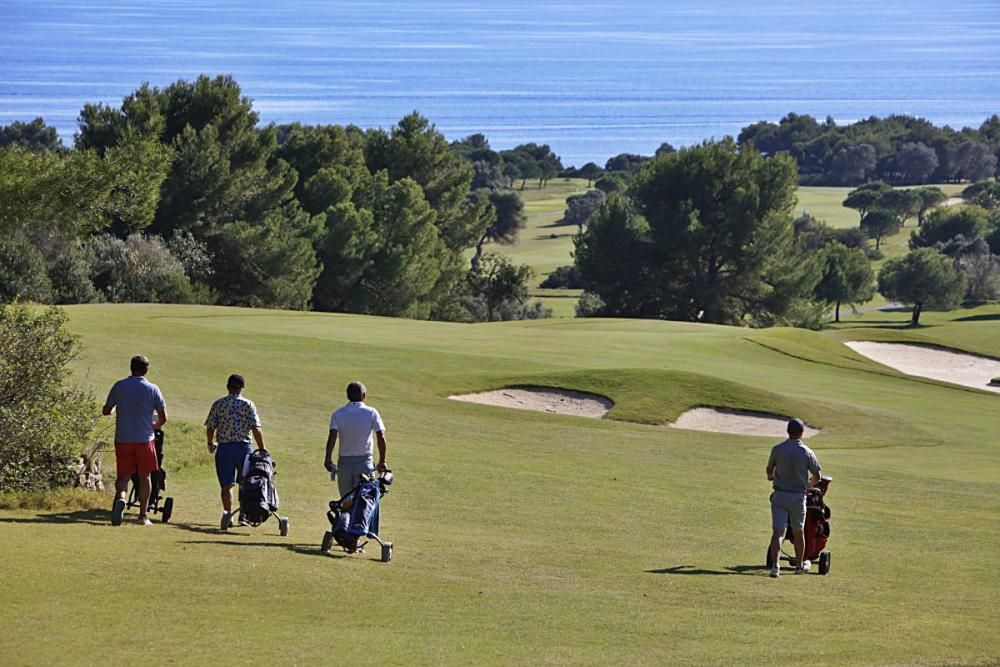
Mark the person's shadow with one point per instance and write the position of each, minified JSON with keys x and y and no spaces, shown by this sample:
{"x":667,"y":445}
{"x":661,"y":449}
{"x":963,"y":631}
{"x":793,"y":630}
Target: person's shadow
{"x":235,"y":535}
{"x":691,"y":569}
{"x":94,"y":517}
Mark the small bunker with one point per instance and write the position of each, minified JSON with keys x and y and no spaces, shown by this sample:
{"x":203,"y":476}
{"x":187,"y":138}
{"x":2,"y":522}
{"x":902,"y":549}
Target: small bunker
{"x":543,"y":399}
{"x":738,"y":422}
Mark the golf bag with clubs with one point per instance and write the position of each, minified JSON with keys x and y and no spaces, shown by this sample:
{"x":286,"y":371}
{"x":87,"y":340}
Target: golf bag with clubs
{"x":351,"y":516}
{"x":258,"y":495}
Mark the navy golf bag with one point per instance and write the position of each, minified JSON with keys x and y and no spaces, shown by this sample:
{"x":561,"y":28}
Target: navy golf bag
{"x":351,"y":516}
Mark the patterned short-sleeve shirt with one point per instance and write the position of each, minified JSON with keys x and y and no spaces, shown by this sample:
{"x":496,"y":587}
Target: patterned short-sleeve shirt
{"x":232,"y":417}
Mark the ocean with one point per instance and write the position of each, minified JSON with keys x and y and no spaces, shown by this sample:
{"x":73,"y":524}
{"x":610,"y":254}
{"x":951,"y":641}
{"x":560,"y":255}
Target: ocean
{"x":591,"y":78}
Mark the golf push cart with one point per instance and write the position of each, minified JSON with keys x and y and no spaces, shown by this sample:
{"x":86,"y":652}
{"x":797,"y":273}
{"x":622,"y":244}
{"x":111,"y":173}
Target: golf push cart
{"x":158,"y":484}
{"x":816,"y":531}
{"x":351,"y":516}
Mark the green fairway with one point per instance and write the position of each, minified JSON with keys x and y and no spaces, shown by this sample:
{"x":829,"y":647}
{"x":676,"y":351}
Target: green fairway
{"x":525,"y":537}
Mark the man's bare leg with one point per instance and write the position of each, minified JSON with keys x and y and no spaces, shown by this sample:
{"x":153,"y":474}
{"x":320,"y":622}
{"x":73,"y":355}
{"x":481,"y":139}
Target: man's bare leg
{"x":145,"y":488}
{"x":799,"y":538}
{"x":226,"y":494}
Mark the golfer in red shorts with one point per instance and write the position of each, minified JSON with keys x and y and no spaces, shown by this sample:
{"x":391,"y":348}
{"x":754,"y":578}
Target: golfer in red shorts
{"x":134,"y":401}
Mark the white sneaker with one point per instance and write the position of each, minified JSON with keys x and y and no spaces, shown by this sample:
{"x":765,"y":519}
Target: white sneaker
{"x":775,"y":571}
{"x":806,"y":566}
{"x":144,"y":521}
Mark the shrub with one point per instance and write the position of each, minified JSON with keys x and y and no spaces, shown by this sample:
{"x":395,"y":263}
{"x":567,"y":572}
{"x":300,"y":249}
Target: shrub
{"x":44,"y":420}
{"x":69,"y":274}
{"x":138,"y":269}
{"x":590,"y":305}
{"x":22,"y":271}
{"x":564,"y":277}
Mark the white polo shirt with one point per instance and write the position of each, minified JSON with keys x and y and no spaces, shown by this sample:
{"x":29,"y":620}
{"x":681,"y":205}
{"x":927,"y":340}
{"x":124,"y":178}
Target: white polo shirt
{"x":354,"y":424}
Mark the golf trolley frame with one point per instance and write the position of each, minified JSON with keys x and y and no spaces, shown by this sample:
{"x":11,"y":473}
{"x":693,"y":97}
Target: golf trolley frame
{"x":157,"y":483}
{"x":344,"y":505}
{"x":816,"y":530}
{"x":282,"y":522}
{"x":241,"y":518}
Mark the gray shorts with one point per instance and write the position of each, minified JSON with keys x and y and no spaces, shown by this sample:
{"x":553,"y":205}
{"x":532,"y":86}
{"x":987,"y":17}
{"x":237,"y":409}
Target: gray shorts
{"x":785,"y":506}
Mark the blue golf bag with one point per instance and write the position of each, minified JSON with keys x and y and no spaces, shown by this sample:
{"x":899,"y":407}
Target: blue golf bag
{"x":351,"y":516}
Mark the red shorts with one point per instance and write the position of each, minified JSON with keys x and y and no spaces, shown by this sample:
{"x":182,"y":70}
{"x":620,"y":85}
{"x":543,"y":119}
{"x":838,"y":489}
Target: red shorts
{"x":136,"y":457}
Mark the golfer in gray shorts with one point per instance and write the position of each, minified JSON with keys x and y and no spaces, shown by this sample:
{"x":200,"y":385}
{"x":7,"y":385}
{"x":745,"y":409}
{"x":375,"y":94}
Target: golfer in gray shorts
{"x":792,"y":469}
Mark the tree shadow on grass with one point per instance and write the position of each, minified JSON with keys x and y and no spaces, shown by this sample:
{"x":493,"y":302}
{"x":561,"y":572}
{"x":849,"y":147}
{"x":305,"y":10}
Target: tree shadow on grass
{"x":94,"y":517}
{"x":302,"y":549}
{"x":978,"y":318}
{"x":691,"y":569}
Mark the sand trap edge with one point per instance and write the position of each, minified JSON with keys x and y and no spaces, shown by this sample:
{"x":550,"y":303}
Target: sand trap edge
{"x":551,"y":400}
{"x":737,"y":422}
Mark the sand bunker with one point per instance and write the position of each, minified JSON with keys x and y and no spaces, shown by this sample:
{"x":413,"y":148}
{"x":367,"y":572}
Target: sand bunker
{"x":931,"y":362}
{"x":543,"y":399}
{"x":740,"y":422}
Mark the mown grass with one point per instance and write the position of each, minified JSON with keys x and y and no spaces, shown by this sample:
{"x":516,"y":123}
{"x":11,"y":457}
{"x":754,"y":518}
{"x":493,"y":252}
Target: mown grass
{"x":526,"y":537}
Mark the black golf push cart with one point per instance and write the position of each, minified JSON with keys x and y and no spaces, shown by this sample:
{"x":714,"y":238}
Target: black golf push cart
{"x":158,"y":485}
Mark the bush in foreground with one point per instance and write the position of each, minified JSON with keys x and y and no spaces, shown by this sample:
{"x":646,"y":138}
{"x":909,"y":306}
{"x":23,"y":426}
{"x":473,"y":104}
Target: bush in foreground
{"x":44,"y":420}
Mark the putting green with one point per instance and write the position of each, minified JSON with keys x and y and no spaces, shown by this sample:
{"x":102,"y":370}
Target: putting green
{"x":524,"y":536}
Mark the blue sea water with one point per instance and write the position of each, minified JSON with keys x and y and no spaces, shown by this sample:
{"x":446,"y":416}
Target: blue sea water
{"x":592,"y":78}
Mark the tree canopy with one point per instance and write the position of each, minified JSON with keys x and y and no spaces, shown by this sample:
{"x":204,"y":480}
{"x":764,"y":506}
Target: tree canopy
{"x":924,"y":277}
{"x":707,"y":237}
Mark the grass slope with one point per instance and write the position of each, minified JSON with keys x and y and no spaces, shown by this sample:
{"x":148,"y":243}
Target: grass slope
{"x":525,"y":537}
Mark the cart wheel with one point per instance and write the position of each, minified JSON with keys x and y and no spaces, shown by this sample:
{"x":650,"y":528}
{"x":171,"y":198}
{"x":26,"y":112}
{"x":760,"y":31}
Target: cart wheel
{"x":769,"y":563}
{"x":792,"y":562}
{"x":824,"y":562}
{"x":327,"y":542}
{"x":283,"y":526}
{"x":387,"y":552}
{"x":168,"y":509}
{"x":826,"y":512}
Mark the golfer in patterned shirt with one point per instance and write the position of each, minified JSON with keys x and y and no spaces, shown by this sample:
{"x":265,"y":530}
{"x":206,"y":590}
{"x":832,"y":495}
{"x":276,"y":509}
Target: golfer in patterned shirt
{"x":230,"y":422}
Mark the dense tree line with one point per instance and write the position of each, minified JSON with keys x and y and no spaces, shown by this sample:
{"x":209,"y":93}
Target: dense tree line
{"x":179,"y":194}
{"x":900,"y":150}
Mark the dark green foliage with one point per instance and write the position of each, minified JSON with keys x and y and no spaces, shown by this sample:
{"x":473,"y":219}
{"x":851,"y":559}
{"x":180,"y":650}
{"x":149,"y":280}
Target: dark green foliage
{"x":896,"y":149}
{"x":627,"y":162}
{"x":414,"y":149}
{"x":852,"y":164}
{"x":590,"y":171}
{"x":70,"y":276}
{"x":385,"y":253}
{"x":720,"y":221}
{"x":866,"y":197}
{"x":879,"y":223}
{"x":44,"y":420}
{"x":847,"y":277}
{"x":476,"y":148}
{"x":925,"y":277}
{"x":23,"y":274}
{"x":498,"y":290}
{"x":531,"y":161}
{"x":34,"y":136}
{"x":943,"y":225}
{"x":611,"y":183}
{"x":927,"y":198}
{"x":80,"y":192}
{"x":985,"y":194}
{"x":564,"y":277}
{"x":225,"y":186}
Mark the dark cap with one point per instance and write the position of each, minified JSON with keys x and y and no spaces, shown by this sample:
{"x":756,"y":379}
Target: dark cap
{"x":236,"y":381}
{"x":796,"y":426}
